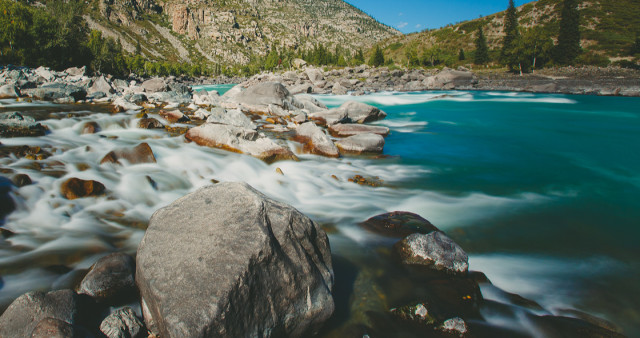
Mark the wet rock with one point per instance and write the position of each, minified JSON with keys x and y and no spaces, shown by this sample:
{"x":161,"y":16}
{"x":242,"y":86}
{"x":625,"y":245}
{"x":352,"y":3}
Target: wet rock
{"x":455,"y":327}
{"x":244,"y":265}
{"x":398,"y":224}
{"x":9,"y":91}
{"x":370,"y":181}
{"x":123,"y":323}
{"x":139,"y":154}
{"x":52,"y":328}
{"x":346,"y":130}
{"x":22,"y":180}
{"x":174,"y":116}
{"x":454,"y":296}
{"x":231,"y":117}
{"x":421,"y":314}
{"x":150,"y":123}
{"x":557,"y":326}
{"x":90,"y":128}
{"x":7,"y":205}
{"x":359,"y":112}
{"x":13,"y":124}
{"x":27,"y":311}
{"x":154,"y":85}
{"x":76,"y":188}
{"x":239,"y":140}
{"x":315,"y":140}
{"x":602,"y":323}
{"x":361,"y":144}
{"x":435,"y":251}
{"x":111,"y":279}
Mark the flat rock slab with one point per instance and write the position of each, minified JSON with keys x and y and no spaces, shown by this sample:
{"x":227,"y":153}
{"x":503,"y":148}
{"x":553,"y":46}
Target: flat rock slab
{"x":350,"y":129}
{"x":228,"y":261}
{"x":361,"y":144}
{"x":239,"y":140}
{"x":13,"y":124}
{"x":232,"y":117}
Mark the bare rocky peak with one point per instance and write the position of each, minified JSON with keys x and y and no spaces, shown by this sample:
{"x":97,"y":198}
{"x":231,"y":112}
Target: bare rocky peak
{"x":231,"y":31}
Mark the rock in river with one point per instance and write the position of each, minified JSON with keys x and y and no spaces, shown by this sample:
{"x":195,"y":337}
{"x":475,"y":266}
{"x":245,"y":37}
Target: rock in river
{"x":349,"y":129}
{"x":398,"y":224}
{"x":239,"y":140}
{"x":141,"y":153}
{"x":361,"y":144}
{"x":111,"y":279}
{"x":435,"y":251}
{"x":26,"y":312}
{"x":13,"y":124}
{"x":359,"y":112}
{"x":228,"y":261}
{"x":76,"y":188}
{"x":123,"y":323}
{"x":316,"y":141}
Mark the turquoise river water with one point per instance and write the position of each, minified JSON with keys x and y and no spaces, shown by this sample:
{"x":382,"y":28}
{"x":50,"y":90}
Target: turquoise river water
{"x":542,"y":191}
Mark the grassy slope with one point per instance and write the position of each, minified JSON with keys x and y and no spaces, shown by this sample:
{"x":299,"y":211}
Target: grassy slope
{"x":608,"y":27}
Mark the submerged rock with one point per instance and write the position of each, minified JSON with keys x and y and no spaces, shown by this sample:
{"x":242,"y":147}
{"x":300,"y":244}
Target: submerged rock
{"x":27,"y":311}
{"x":139,"y":154}
{"x":316,"y":141}
{"x":123,"y":323}
{"x":361,"y":144}
{"x":13,"y":124}
{"x":76,"y":188}
{"x":243,"y":265}
{"x":239,"y":140}
{"x":435,"y":251}
{"x":398,"y":224}
{"x":90,"y":128}
{"x":111,"y":279}
{"x":150,"y":123}
{"x":174,"y":116}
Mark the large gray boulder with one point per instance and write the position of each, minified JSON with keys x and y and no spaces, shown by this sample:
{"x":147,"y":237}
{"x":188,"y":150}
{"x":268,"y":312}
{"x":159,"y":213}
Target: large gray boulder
{"x":239,"y":140}
{"x":435,"y":251}
{"x":361,"y":144}
{"x":259,"y":97}
{"x":154,"y":85}
{"x":232,"y":117}
{"x":101,"y":85}
{"x":310,"y":103}
{"x":315,"y":140}
{"x":59,"y":90}
{"x":226,"y":261}
{"x":315,"y":75}
{"x":26,"y":312}
{"x":359,"y":112}
{"x":449,"y":79}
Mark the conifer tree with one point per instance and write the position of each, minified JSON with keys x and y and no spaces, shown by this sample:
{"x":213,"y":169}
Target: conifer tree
{"x":377,"y":59}
{"x":461,"y":56}
{"x":482,"y":51}
{"x":510,"y":31}
{"x":568,"y":47}
{"x":635,"y":49}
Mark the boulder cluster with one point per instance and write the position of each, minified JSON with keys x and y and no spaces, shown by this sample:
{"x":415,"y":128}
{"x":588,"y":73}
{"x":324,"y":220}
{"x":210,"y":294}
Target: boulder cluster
{"x":245,"y":265}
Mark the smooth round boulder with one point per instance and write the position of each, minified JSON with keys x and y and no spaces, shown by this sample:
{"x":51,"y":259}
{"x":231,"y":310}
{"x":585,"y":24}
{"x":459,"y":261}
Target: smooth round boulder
{"x":139,"y":154}
{"x":77,"y":188}
{"x":434,"y":251}
{"x":27,"y":311}
{"x":361,"y":144}
{"x":228,"y":261}
{"x":111,"y":279}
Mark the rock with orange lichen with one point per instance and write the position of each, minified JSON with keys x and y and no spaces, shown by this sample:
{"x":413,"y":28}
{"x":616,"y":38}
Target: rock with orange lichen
{"x":315,"y":140}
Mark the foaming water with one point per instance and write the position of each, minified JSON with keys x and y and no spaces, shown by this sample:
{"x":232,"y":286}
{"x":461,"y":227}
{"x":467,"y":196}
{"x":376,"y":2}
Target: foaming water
{"x":521,"y":183}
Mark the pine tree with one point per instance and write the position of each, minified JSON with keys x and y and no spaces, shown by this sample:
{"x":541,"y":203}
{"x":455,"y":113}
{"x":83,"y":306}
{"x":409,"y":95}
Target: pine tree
{"x":635,"y":49}
{"x":511,"y":35}
{"x":568,"y":47}
{"x":377,"y":59}
{"x":461,"y":56}
{"x":482,"y":51}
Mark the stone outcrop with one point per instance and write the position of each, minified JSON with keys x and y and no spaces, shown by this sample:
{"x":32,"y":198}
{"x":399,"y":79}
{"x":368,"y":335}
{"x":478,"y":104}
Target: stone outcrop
{"x":240,"y":140}
{"x":435,"y":251}
{"x":240,"y":265}
{"x":349,"y":129}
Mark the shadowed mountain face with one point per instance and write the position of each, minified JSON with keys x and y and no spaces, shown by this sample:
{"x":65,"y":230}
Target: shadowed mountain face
{"x":232,"y":31}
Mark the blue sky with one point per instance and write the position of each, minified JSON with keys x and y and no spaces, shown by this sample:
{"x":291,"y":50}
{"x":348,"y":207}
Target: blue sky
{"x":416,"y":15}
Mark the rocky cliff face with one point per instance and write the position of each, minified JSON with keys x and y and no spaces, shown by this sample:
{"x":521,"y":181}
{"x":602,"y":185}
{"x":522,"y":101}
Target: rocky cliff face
{"x":232,"y":31}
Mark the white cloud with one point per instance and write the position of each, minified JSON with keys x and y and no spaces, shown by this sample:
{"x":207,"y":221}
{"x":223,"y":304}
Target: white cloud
{"x":400,"y":14}
{"x":418,"y":26}
{"x":403,"y":25}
